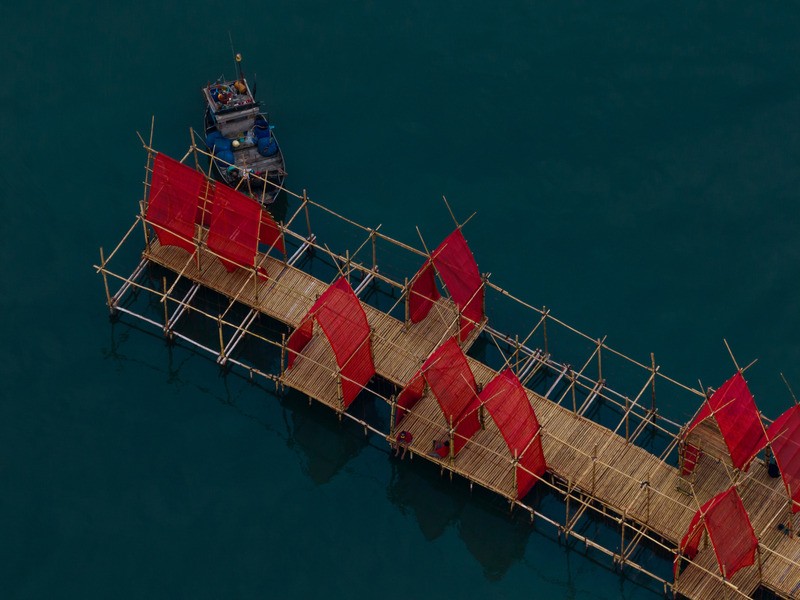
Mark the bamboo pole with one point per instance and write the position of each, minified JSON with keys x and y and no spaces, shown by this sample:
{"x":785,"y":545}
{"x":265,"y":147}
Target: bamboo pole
{"x":374,"y":250}
{"x":221,"y":339}
{"x":308,"y":217}
{"x":105,"y":282}
{"x":166,"y":308}
{"x":599,"y":359}
{"x":654,"y":370}
{"x":545,"y":313}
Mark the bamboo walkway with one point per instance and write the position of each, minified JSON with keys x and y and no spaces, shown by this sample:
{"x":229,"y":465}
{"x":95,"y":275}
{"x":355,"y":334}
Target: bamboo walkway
{"x":597,"y":470}
{"x":593,"y":462}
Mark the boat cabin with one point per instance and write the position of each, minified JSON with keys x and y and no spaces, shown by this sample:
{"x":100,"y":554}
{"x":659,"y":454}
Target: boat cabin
{"x":231,"y":106}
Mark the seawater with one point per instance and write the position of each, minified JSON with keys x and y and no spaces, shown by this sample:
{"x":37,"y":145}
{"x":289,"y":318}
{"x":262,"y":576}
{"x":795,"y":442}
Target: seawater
{"x":634,"y":167}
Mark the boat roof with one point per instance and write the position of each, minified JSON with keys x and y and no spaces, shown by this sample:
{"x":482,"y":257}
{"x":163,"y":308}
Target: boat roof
{"x":230,"y":99}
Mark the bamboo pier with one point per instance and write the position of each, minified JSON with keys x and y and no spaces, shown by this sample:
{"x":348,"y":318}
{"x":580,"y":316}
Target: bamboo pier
{"x":593,"y":437}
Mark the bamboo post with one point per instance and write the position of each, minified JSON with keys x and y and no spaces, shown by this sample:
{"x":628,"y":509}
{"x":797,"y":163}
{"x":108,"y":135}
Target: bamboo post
{"x":194,"y":149}
{"x":566,"y":518}
{"x":308,"y":217}
{"x":347,"y":265}
{"x":105,"y":281}
{"x":594,"y":469}
{"x":758,"y":554}
{"x":283,"y":352}
{"x":408,"y":300}
{"x":599,"y":359}
{"x":516,"y":353}
{"x":545,"y":312}
{"x":622,"y":543}
{"x":393,"y":415}
{"x":574,"y":399}
{"x":221,"y":340}
{"x":653,"y":370}
{"x":627,"y":419}
{"x":340,"y":392}
{"x":514,"y":467}
{"x":452,"y":447}
{"x":374,"y":250}
{"x":166,"y":308}
{"x":255,"y":282}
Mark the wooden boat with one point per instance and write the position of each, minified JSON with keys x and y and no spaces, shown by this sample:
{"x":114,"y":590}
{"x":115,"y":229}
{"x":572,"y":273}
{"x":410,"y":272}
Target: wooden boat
{"x":246,"y":152}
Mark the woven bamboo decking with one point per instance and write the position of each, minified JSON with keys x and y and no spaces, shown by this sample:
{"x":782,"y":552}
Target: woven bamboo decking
{"x":586,"y":457}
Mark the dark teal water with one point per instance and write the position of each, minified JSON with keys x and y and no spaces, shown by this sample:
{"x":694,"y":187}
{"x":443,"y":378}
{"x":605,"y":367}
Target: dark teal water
{"x":634,"y":166}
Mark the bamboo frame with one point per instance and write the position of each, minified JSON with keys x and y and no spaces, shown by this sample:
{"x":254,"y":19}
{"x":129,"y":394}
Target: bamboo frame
{"x":591,"y":499}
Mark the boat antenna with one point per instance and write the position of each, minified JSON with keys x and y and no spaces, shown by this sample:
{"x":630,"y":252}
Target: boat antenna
{"x":237,"y":59}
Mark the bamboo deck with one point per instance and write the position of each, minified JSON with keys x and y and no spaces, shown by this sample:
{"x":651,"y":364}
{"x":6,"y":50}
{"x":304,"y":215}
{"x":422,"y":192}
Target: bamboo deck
{"x":588,"y":457}
{"x":598,"y":469}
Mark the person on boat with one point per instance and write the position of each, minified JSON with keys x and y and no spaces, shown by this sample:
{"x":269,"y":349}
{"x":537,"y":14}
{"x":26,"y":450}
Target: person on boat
{"x":403,"y":440}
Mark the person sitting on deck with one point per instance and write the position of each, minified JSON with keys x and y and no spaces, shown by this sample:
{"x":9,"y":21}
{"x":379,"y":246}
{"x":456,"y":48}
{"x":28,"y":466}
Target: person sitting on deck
{"x":403,"y":440}
{"x":441,"y":448}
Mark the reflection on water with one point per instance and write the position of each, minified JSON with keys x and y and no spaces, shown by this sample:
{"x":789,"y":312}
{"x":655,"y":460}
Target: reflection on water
{"x":493,"y":537}
{"x":417,"y":488}
{"x":324,"y":443}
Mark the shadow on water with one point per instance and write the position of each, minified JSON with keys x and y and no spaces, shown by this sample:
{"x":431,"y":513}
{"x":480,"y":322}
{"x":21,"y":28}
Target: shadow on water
{"x":325,"y":444}
{"x":419,"y":490}
{"x":492,"y":537}
{"x":481,"y":518}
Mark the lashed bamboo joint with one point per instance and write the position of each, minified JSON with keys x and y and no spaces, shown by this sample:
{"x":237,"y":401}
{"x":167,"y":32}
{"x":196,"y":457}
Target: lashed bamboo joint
{"x":599,"y":470}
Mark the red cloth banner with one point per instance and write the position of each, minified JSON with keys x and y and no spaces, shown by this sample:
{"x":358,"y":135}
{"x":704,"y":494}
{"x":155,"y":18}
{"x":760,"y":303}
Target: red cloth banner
{"x":409,"y":396}
{"x":174,"y":190}
{"x":342,"y":318}
{"x":299,"y":339}
{"x":447,"y":373}
{"x":233,"y":233}
{"x":423,"y":293}
{"x":734,"y":408}
{"x":459,"y":271}
{"x":729,"y":529}
{"x":511,"y":410}
{"x":784,"y":439}
{"x":269,"y":233}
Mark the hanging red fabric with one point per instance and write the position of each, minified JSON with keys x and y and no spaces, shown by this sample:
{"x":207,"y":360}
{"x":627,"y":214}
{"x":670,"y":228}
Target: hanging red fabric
{"x":174,"y":190}
{"x":734,"y":409}
{"x":269,"y":233}
{"x":729,"y":529}
{"x":342,"y":318}
{"x":233,"y":233}
{"x":423,"y":293}
{"x":409,"y":396}
{"x":451,"y":380}
{"x":447,"y":373}
{"x":511,"y":410}
{"x":459,"y":271}
{"x":299,"y":339}
{"x":784,"y":439}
